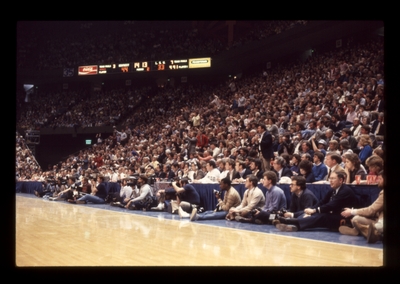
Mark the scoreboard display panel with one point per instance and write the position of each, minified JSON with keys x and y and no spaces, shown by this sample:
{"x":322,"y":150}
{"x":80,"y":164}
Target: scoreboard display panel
{"x":115,"y":68}
{"x":145,"y":66}
{"x":161,"y":65}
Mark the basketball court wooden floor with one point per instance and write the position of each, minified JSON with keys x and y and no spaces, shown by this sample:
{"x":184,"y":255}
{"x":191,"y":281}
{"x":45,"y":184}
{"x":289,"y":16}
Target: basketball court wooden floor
{"x":50,"y":233}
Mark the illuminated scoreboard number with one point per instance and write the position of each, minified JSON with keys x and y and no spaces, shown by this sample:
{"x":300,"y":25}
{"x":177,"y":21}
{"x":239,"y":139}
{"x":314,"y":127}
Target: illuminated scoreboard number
{"x":178,"y":64}
{"x":159,"y":65}
{"x":141,"y":66}
{"x":114,"y":68}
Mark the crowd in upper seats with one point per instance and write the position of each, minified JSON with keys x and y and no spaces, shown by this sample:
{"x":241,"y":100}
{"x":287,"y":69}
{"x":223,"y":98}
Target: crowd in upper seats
{"x":77,"y":108}
{"x":301,"y":104}
{"x":127,"y":43}
{"x":26,"y":165}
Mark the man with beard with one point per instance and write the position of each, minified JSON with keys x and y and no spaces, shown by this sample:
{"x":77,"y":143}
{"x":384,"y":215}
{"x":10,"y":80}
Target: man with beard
{"x":364,"y":219}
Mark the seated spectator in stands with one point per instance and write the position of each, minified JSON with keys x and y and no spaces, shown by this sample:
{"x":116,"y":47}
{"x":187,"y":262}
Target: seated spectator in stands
{"x":253,"y":198}
{"x":378,"y":126}
{"x":280,"y":168}
{"x":212,"y":175}
{"x":306,"y":148}
{"x":356,"y":128}
{"x":336,"y":124}
{"x":345,"y":147}
{"x":167,"y":174}
{"x":333,"y":147}
{"x":319,"y":169}
{"x":353,"y":168}
{"x":364,"y":219}
{"x":231,"y":199}
{"x":294,"y":162}
{"x":255,"y":167}
{"x":301,"y":197}
{"x":320,"y":147}
{"x":378,"y":152}
{"x":346,"y":134}
{"x":243,"y":172}
{"x":305,"y":167}
{"x":365,"y":144}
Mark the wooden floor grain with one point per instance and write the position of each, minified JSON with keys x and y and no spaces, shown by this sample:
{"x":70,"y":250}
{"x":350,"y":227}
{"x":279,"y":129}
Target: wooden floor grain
{"x":59,"y":234}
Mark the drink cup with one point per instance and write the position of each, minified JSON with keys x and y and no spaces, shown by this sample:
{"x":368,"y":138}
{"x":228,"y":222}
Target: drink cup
{"x":358,"y":178}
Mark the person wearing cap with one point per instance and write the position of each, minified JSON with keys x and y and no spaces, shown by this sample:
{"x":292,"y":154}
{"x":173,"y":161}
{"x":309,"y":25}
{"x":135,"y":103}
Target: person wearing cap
{"x":321,"y":145}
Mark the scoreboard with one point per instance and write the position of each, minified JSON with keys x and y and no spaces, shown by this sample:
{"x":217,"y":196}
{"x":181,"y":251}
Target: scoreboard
{"x":145,"y":66}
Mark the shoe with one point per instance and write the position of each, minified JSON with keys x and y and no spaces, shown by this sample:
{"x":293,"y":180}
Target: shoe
{"x":259,"y":222}
{"x":372,"y":236}
{"x":194,"y":216}
{"x":71,"y":201}
{"x":80,"y":202}
{"x":345,"y":230}
{"x":182,"y":213}
{"x":286,"y":228}
{"x":116,"y":204}
{"x":241,"y":219}
{"x":160,"y":207}
{"x":245,"y":220}
{"x":275,"y":222}
{"x":36,"y":193}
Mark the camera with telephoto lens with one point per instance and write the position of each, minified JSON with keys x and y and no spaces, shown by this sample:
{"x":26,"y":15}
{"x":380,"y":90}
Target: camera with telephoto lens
{"x":254,"y":211}
{"x":217,"y":192}
{"x":132,"y":181}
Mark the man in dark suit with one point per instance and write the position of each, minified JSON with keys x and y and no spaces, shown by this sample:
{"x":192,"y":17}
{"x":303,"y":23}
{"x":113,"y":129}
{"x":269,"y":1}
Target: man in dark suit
{"x":255,"y":167}
{"x":327,"y":212}
{"x":336,"y":125}
{"x":378,"y":126}
{"x":280,"y":168}
{"x":265,"y":146}
{"x":242,"y":171}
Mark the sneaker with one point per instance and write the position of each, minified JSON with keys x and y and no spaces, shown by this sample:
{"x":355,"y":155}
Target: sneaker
{"x":115,"y":203}
{"x":80,"y":202}
{"x":182,"y":213}
{"x":286,"y":228}
{"x":159,"y":207}
{"x":345,"y":230}
{"x":194,"y":216}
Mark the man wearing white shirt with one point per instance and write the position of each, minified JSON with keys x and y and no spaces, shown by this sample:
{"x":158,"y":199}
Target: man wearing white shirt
{"x":212,"y":175}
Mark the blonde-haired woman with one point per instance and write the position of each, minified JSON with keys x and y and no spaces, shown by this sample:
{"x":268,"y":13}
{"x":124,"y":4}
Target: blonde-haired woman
{"x":365,"y":145}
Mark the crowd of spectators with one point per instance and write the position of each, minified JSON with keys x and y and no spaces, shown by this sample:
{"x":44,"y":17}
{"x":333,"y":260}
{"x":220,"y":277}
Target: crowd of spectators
{"x":128,"y":42}
{"x":78,"y":108}
{"x":308,"y":107}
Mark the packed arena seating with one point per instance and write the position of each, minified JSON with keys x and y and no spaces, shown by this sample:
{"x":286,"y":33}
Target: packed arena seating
{"x":323,"y":86}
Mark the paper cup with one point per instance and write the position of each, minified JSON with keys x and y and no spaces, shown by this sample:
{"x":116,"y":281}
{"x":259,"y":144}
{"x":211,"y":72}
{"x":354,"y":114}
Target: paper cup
{"x":358,"y":178}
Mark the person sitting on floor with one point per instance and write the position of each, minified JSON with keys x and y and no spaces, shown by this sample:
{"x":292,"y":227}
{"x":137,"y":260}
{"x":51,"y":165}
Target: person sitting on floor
{"x":231,"y":199}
